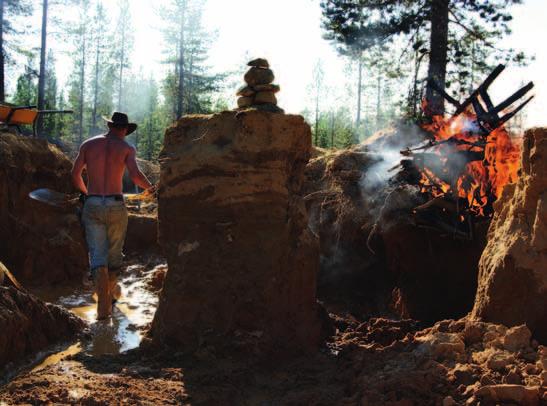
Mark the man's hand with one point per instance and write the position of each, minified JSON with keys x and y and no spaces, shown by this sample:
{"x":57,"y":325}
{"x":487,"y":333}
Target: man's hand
{"x":135,"y":173}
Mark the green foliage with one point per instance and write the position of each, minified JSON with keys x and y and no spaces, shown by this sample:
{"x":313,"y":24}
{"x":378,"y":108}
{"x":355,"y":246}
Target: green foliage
{"x":188,"y":87}
{"x":120,"y":54}
{"x":153,"y":121}
{"x":475,"y":28}
{"x":363,"y":24}
{"x":27,"y":88}
{"x":50,"y":97}
{"x":334,"y":128}
{"x":14,"y":25}
{"x":104,"y":70}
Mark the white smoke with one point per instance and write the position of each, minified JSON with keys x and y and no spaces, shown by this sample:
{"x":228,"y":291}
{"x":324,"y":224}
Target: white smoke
{"x":378,"y":174}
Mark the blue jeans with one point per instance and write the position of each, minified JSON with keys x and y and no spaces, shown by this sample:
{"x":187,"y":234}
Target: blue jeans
{"x":105,"y":223}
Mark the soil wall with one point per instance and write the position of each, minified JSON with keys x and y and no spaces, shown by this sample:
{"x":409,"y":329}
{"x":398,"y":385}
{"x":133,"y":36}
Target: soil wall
{"x":39,"y":243}
{"x":232,"y":222}
{"x":513,"y":268}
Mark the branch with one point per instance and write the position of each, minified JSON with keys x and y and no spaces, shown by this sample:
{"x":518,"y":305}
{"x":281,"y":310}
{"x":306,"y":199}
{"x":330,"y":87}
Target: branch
{"x":475,"y":34}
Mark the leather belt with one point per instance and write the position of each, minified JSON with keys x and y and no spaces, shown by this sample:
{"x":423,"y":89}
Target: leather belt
{"x":115,"y":197}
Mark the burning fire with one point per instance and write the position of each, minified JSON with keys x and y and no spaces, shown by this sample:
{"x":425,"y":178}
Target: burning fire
{"x":475,"y":165}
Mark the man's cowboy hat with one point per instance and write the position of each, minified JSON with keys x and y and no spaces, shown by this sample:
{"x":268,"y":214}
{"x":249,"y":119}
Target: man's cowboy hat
{"x":120,"y":120}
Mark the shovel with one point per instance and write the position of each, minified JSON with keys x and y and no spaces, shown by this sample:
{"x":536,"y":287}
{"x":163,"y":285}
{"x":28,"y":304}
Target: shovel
{"x":5,"y":272}
{"x":64,"y":200}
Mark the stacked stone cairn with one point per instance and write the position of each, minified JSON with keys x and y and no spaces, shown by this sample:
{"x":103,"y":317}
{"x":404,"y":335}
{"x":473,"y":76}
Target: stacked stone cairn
{"x":259,"y":91}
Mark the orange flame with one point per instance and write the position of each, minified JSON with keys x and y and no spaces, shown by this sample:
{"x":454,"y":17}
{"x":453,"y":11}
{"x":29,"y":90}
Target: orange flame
{"x":482,"y":180}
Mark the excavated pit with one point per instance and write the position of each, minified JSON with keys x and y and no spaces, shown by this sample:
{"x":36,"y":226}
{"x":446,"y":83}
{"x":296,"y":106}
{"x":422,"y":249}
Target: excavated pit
{"x":374,"y":257}
{"x":368,"y":361}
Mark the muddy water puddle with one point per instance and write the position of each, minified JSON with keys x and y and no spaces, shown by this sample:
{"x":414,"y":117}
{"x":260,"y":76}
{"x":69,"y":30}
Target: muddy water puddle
{"x":131,"y":316}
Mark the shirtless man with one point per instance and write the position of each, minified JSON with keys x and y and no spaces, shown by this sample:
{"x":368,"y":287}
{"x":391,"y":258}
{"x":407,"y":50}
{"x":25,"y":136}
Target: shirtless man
{"x":104,"y":215}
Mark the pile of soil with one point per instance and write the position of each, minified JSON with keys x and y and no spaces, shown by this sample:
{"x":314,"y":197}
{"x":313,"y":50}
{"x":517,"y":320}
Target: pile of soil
{"x":41,"y":244}
{"x":242,"y":261}
{"x":29,"y":325}
{"x":342,"y":216}
{"x":142,"y":233}
{"x":452,"y":363}
{"x":373,"y":254}
{"x":513,"y":268}
{"x":378,"y":362}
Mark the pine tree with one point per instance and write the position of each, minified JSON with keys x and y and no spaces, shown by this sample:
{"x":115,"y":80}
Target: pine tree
{"x":26,"y":89}
{"x":153,"y":123}
{"x":42,"y":73}
{"x":104,"y":72}
{"x":121,"y":53}
{"x":63,"y":122}
{"x":49,"y":126}
{"x":77,"y":95}
{"x":188,"y":87}
{"x":360,"y":25}
{"x":10,"y":11}
{"x":316,"y":90}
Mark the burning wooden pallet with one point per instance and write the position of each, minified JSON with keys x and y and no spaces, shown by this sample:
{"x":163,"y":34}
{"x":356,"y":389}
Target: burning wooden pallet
{"x":466,"y":161}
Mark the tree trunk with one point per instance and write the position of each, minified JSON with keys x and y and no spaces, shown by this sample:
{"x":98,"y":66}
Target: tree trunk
{"x":96,"y":85}
{"x":120,"y":84}
{"x":149,"y":139}
{"x":42,"y":75}
{"x":180,"y":93}
{"x":378,"y":101}
{"x":437,"y":55}
{"x":472,"y":80}
{"x":2,"y":78}
{"x":316,"y":135}
{"x":414,"y":97}
{"x":82,"y":87}
{"x":332,"y":129}
{"x":359,"y":90}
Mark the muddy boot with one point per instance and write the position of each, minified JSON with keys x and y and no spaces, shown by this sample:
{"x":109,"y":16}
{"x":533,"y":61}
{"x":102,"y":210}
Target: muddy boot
{"x":115,"y":289}
{"x":102,"y":287}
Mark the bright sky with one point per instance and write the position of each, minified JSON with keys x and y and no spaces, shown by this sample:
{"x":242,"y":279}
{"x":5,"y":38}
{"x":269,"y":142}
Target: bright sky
{"x":288,"y":34}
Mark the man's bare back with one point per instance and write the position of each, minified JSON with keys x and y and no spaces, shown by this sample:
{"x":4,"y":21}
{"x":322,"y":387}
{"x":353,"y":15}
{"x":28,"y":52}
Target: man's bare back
{"x":105,"y":158}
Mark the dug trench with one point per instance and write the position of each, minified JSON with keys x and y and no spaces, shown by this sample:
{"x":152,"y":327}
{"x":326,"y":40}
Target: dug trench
{"x":251,"y":219}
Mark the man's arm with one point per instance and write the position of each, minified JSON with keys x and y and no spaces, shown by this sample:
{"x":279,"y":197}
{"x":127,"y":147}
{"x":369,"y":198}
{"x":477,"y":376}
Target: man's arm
{"x":77,"y":169}
{"x":135,"y":173}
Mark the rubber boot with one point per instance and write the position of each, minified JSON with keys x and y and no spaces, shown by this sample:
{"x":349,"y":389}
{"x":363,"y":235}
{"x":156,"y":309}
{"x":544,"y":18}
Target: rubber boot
{"x":115,"y":289}
{"x":102,"y":287}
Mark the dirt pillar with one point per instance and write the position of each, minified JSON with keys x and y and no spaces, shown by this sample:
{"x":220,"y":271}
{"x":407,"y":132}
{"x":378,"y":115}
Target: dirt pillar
{"x":233,"y":226}
{"x":512,"y":286}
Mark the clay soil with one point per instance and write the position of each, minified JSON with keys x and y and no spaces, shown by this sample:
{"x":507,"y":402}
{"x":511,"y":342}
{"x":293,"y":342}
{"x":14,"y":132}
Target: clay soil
{"x":364,"y":361}
{"x":377,"y":362}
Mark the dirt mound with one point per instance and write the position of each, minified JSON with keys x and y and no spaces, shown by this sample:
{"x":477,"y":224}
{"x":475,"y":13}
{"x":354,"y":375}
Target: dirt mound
{"x":378,"y":362}
{"x":397,"y":137}
{"x":373,"y":253}
{"x":342,"y":216}
{"x":242,"y":261}
{"x":40,"y":244}
{"x":452,"y":363}
{"x":142,"y":233}
{"x":29,"y":325}
{"x":513,"y":268}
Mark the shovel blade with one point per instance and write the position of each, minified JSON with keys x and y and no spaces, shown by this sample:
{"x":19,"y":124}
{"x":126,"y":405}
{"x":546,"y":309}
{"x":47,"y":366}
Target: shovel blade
{"x":5,"y":272}
{"x":51,"y":197}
